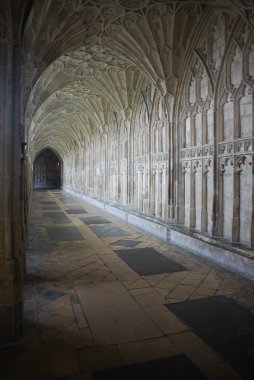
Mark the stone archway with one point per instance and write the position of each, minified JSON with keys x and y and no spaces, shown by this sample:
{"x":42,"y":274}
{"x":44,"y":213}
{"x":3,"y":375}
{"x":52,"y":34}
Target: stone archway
{"x":47,"y":170}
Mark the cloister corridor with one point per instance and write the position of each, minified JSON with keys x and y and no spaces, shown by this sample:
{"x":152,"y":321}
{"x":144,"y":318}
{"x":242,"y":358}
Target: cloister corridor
{"x":104,"y":300}
{"x":126,"y":189}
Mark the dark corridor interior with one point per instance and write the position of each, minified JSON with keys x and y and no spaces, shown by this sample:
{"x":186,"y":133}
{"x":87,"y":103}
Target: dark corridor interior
{"x":47,"y":171}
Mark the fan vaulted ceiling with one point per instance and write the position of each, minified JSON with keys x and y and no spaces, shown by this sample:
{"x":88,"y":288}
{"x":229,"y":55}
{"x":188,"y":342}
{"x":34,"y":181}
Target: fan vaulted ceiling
{"x":89,"y":60}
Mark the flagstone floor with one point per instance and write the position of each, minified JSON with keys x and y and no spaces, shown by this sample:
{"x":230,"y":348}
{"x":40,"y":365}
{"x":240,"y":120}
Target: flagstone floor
{"x":104,"y":300}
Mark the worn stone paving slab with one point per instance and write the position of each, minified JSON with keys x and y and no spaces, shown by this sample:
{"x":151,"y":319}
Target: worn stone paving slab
{"x":57,"y":217}
{"x":225,"y":325}
{"x":95,"y":220}
{"x":122,"y":319}
{"x":177,"y":366}
{"x":149,"y":349}
{"x":67,"y":200}
{"x":99,"y":357}
{"x":76,"y":211}
{"x":47,"y":202}
{"x":52,"y":294}
{"x":105,"y":231}
{"x":126,"y":243}
{"x":64,"y":233}
{"x":148,"y":261}
{"x":50,"y":207}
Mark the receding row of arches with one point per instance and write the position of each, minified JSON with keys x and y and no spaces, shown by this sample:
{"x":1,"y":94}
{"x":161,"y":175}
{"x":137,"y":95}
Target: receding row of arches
{"x":47,"y":170}
{"x":150,"y":136}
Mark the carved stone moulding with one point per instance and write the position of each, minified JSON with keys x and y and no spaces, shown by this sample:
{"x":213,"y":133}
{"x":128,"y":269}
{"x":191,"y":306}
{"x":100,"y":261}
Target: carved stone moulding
{"x":186,"y":165}
{"x":237,"y":162}
{"x":159,"y":157}
{"x":236,"y":147}
{"x":200,"y":151}
{"x":195,"y":165}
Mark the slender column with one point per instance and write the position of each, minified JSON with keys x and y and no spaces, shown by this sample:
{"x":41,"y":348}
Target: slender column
{"x":139,"y":188}
{"x":192,"y":196}
{"x":204,"y":198}
{"x":236,"y":206}
{"x":163,"y":192}
{"x":152,"y":191}
{"x":158,"y":192}
{"x":11,"y":240}
{"x":118,"y":170}
{"x":143,"y":188}
{"x":220,"y":215}
{"x":172,"y":182}
{"x":182,"y":194}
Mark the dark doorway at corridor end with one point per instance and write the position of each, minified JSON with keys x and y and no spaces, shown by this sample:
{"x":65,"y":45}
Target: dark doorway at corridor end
{"x":47,"y":170}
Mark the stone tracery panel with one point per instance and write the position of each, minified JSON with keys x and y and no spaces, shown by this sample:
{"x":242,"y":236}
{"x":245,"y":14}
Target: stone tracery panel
{"x":236,"y":69}
{"x":219,"y":42}
{"x":251,"y":62}
{"x":228,"y":119}
{"x":228,"y":198}
{"x":246,"y":113}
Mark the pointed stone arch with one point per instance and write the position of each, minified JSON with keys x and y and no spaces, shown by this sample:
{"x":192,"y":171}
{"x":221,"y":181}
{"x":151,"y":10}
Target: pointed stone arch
{"x":47,"y":170}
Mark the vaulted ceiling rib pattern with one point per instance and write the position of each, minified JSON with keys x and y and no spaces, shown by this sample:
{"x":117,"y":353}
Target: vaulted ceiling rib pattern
{"x":87,"y":60}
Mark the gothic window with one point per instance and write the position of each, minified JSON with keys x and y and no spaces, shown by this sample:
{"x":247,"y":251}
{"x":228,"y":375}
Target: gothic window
{"x":236,"y":68}
{"x":198,"y":128}
{"x":163,"y":138}
{"x":246,"y":113}
{"x":251,"y":62}
{"x":218,"y":42}
{"x":192,"y":91}
{"x":159,"y":143}
{"x":155,"y":139}
{"x":204,"y":86}
{"x":210,"y":125}
{"x":228,"y":115}
{"x":187,"y":132}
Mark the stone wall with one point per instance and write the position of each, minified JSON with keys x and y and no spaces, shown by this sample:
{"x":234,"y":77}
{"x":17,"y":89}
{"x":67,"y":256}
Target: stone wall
{"x":129,"y":165}
{"x":186,"y":159}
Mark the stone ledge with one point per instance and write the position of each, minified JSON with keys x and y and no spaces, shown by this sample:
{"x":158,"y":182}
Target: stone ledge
{"x":236,"y":259}
{"x":143,"y":222}
{"x":237,"y":248}
{"x":230,"y":256}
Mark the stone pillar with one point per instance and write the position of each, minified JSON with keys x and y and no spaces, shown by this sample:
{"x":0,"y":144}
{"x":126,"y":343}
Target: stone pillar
{"x":158,"y":192}
{"x":143,"y":188}
{"x":152,"y":190}
{"x":139,"y":187}
{"x":236,"y":206}
{"x":220,"y":214}
{"x":11,"y":242}
{"x":204,"y":197}
{"x":164,"y":192}
{"x":124,"y":182}
{"x":172,"y":178}
{"x":182,"y":193}
{"x":192,"y":195}
{"x":146,"y":191}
